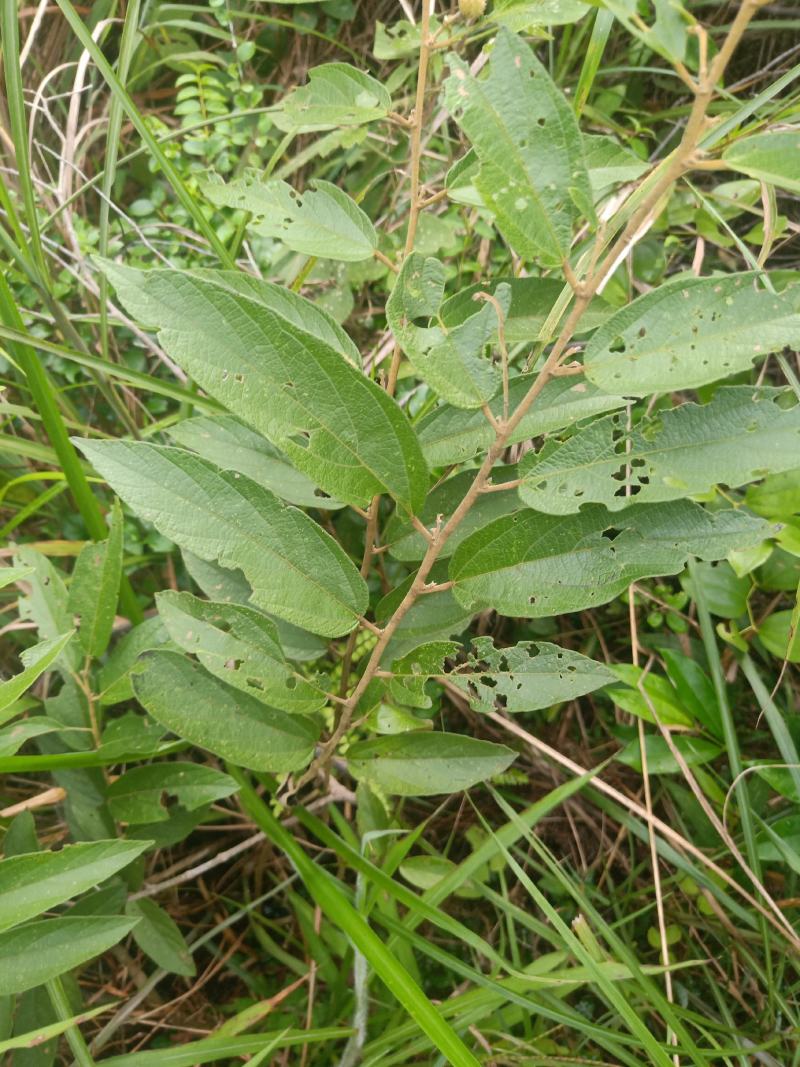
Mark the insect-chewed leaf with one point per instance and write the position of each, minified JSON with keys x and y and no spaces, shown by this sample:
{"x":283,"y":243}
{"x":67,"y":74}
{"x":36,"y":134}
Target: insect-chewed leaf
{"x":740,"y":435}
{"x":324,"y":222}
{"x":451,"y":435}
{"x":193,"y":704}
{"x":426,"y":764}
{"x":336,"y":95}
{"x":689,"y":332}
{"x":334,"y":423}
{"x":94,"y":588}
{"x":452,"y":361}
{"x":137,"y":796}
{"x":241,"y":646}
{"x":532,"y":565}
{"x":296,"y":569}
{"x":771,"y":157}
{"x":532,"y":172}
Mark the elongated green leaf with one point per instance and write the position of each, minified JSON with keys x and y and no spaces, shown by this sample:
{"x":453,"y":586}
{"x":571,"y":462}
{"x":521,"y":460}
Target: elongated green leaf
{"x":240,"y":646}
{"x":771,"y":157}
{"x":695,"y":750}
{"x":137,"y":796}
{"x":609,"y":164}
{"x":296,"y":570}
{"x":689,"y":332}
{"x":231,"y":445}
{"x":13,"y":574}
{"x":325,"y":222}
{"x":158,"y":937}
{"x":37,"y":881}
{"x":333,"y":423}
{"x":532,"y":173}
{"x":94,"y":588}
{"x":643,"y":691}
{"x":38,"y":659}
{"x":532,"y":565}
{"x":45,"y":602}
{"x":35,"y":953}
{"x":190,"y":702}
{"x":220,"y":1049}
{"x":450,"y":435}
{"x":452,"y":360}
{"x":336,"y":95}
{"x":37,"y":1038}
{"x":522,"y":15}
{"x":13,"y":737}
{"x":525,"y":677}
{"x":740,"y":435}
{"x":426,"y":764}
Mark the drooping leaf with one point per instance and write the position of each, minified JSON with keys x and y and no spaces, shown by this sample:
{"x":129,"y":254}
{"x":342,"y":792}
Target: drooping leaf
{"x":37,"y":881}
{"x":324,"y":222}
{"x":449,"y":435}
{"x":334,"y":423}
{"x":426,"y":764}
{"x":190,"y":702}
{"x":740,"y":435}
{"x":296,"y":570}
{"x":531,"y":564}
{"x":689,"y":332}
{"x":231,"y":445}
{"x":241,"y":647}
{"x":772,"y":157}
{"x":158,"y":936}
{"x":532,"y":173}
{"x":137,"y":796}
{"x":94,"y":588}
{"x":38,"y":659}
{"x":451,"y":361}
{"x":336,"y":95}
{"x":33,"y":954}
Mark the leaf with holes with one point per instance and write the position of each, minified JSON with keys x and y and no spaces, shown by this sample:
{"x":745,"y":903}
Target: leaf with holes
{"x":689,"y":332}
{"x":138,"y":795}
{"x":240,"y":646}
{"x":334,"y":423}
{"x":295,"y":569}
{"x":186,"y":699}
{"x":772,"y":157}
{"x":452,"y":361}
{"x":336,"y":95}
{"x":532,"y":172}
{"x":740,"y":435}
{"x":532,"y":565}
{"x":324,"y":222}
{"x":426,"y":764}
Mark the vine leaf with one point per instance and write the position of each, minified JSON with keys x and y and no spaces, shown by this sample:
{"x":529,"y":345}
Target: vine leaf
{"x":335,"y":424}
{"x":337,"y":94}
{"x":532,"y":172}
{"x":324,"y":222}
{"x":295,"y":569}
{"x":533,"y":565}
{"x":689,"y":332}
{"x":426,"y":764}
{"x":182,"y":696}
{"x":740,"y":435}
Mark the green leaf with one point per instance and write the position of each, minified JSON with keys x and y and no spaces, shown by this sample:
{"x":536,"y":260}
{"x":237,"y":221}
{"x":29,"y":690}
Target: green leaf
{"x":158,"y":936}
{"x":667,"y":36}
{"x":190,"y":702}
{"x":780,"y":636}
{"x":610,"y":164}
{"x":46,"y":602}
{"x":449,"y":435}
{"x":740,"y":435}
{"x":94,"y":588}
{"x":114,"y":680}
{"x":451,"y":361}
{"x":240,"y":646}
{"x":725,"y":594}
{"x":658,"y":692}
{"x":532,"y":173}
{"x":772,"y":157}
{"x":689,"y":332}
{"x":522,"y":15}
{"x":138,"y":796}
{"x":231,"y":445}
{"x":37,"y":881}
{"x":695,"y":750}
{"x":38,"y":659}
{"x":334,"y":424}
{"x":39,"y":951}
{"x":426,"y":764}
{"x":325,"y":222}
{"x":296,"y":570}
{"x":13,"y":574}
{"x":336,"y":95}
{"x":13,"y":737}
{"x":777,"y":497}
{"x":533,"y":565}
